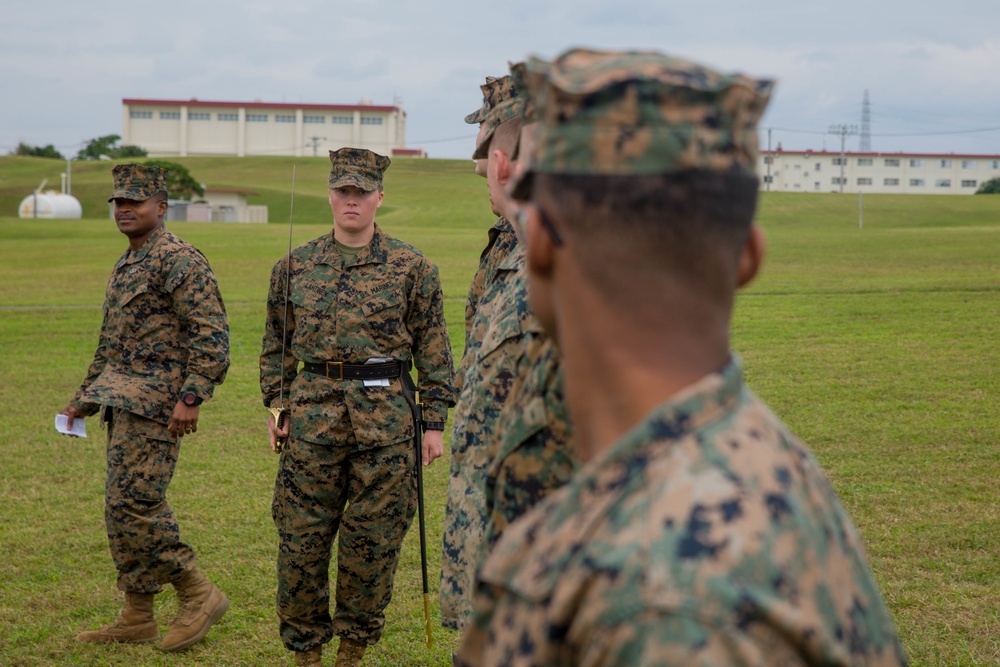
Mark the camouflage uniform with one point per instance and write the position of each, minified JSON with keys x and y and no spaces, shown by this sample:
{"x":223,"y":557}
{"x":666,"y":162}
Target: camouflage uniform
{"x":350,"y":444}
{"x":707,"y":535}
{"x":531,"y":455}
{"x":164,"y":333}
{"x":498,"y":328}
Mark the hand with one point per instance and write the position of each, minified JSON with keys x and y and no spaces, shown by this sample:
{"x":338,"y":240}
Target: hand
{"x":71,"y":416}
{"x":274,"y":433}
{"x":184,"y":420}
{"x":433,"y":446}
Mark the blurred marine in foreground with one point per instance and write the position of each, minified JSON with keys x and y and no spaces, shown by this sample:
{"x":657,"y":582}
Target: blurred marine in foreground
{"x":699,"y":530}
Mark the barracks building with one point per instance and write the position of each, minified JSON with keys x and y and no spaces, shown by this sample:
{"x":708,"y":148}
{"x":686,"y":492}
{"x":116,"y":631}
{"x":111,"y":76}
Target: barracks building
{"x":894,"y":173}
{"x":195,"y":127}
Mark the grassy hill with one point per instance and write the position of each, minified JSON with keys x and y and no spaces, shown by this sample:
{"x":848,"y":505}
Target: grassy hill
{"x":877,"y":345}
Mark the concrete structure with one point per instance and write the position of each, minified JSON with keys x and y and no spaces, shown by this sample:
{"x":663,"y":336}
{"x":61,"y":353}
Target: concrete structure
{"x":193,"y":127}
{"x":895,"y":173}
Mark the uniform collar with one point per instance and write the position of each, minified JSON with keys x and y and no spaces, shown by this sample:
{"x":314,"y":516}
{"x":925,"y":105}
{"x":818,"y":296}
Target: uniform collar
{"x":131,"y":257}
{"x":373,"y":253}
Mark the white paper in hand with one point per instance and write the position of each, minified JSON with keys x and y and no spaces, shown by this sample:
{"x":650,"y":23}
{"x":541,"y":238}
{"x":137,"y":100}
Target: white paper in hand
{"x":77,"y":428}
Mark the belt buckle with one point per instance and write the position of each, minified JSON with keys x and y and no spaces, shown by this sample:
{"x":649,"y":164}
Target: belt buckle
{"x":340,"y":367}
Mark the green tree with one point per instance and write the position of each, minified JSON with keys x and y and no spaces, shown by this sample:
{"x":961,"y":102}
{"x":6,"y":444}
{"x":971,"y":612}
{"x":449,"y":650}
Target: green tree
{"x":108,"y":146}
{"x":38,"y":151}
{"x":990,"y":187}
{"x":180,"y":183}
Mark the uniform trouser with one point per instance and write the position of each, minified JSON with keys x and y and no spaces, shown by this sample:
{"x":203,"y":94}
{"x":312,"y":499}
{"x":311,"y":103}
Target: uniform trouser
{"x":370,"y":496}
{"x":142,"y":530}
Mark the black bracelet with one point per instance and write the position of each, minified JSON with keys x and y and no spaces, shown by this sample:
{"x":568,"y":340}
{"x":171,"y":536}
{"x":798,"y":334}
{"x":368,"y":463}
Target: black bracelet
{"x":433,"y":426}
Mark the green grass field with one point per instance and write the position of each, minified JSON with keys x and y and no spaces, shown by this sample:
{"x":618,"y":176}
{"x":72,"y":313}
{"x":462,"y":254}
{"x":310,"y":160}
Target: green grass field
{"x":878,"y":346}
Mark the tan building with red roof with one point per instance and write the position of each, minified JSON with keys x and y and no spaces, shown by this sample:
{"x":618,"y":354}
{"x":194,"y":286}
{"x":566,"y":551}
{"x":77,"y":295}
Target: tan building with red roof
{"x":196,"y":127}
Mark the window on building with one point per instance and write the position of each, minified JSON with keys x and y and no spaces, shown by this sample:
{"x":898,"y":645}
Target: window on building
{"x":917,"y":182}
{"x":768,"y":159}
{"x":284,"y":118}
{"x":865,"y":162}
{"x":256,"y":117}
{"x":816,"y":186}
{"x":818,"y":165}
{"x":370,"y":120}
{"x":864,"y":181}
{"x":839,"y":160}
{"x":199,"y":115}
{"x":798,"y":166}
{"x":140,"y":114}
{"x":969,"y":184}
{"x":837,"y":180}
{"x":892,"y":162}
{"x":342,"y":120}
{"x":916,"y":163}
{"x":170,"y":115}
{"x":891,"y":181}
{"x":228,"y":116}
{"x":969,"y":164}
{"x":769,"y":179}
{"x":945,"y":164}
{"x":996,"y":164}
{"x":942,"y":183}
{"x":315,"y":120}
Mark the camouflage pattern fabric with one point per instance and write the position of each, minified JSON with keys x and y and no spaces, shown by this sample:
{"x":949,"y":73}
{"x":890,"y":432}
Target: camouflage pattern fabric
{"x":142,"y":530}
{"x":479,"y":115}
{"x":371,"y":496}
{"x":487,"y":267}
{"x":630,"y":113}
{"x":706,"y":536}
{"x":494,"y":342}
{"x":358,"y":167}
{"x":384,"y":302}
{"x":531,"y":456}
{"x":164,"y":332}
{"x":138,"y":182}
{"x":501,"y":102}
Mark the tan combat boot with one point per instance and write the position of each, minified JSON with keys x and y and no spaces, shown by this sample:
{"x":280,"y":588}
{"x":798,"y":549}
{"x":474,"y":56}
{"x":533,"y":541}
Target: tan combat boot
{"x":200,"y":605}
{"x":311,"y":658}
{"x":135,"y":624}
{"x":350,"y":652}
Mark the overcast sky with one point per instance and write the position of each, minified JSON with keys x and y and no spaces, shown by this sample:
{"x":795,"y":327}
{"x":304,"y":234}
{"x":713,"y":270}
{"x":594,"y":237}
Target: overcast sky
{"x":931,"y":69}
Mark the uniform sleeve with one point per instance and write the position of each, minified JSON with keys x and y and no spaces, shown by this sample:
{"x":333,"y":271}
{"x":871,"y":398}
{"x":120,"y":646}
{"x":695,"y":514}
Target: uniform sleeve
{"x":271,"y":362}
{"x":202,"y":314}
{"x":431,"y":344}
{"x":85,"y":408}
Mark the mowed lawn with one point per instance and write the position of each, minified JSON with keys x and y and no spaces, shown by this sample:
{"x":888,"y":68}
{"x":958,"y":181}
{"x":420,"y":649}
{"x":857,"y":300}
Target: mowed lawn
{"x":877,"y":345}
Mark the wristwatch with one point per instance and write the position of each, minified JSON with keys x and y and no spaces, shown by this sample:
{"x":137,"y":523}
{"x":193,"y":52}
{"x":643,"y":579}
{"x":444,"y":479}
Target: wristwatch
{"x":190,"y":399}
{"x":433,"y":426}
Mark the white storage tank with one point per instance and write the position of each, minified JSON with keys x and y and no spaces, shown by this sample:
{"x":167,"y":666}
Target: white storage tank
{"x":50,"y":204}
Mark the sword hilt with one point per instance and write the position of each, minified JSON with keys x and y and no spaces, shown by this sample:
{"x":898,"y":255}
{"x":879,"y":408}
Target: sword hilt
{"x":279,"y":421}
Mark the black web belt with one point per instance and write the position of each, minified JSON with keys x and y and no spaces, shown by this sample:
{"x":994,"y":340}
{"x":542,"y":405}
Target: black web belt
{"x":337,"y":370}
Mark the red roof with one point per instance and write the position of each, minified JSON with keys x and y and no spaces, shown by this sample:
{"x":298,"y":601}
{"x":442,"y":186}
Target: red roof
{"x":779,"y":151}
{"x":139,"y":101}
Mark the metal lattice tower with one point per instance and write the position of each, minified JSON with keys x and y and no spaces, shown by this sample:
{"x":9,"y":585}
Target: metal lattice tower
{"x":866,"y":126}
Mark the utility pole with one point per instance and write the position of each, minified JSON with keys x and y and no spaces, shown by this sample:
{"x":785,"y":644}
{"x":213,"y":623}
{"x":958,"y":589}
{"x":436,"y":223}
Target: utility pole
{"x":315,"y":143}
{"x":843,"y":131}
{"x":770,"y":159}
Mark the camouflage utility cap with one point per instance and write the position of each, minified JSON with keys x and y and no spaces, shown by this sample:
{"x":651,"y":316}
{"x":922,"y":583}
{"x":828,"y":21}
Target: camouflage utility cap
{"x":639,"y":113}
{"x":503,"y":101}
{"x":479,"y":115}
{"x":358,"y":167}
{"x":138,"y":182}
